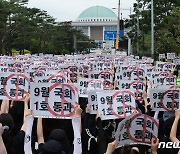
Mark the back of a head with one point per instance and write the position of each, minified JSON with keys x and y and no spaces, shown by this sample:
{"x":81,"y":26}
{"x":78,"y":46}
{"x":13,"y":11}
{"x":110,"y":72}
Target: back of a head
{"x":7,"y":120}
{"x":133,"y":151}
{"x":52,"y":147}
{"x":60,"y":136}
{"x":126,"y":149}
{"x":129,"y":149}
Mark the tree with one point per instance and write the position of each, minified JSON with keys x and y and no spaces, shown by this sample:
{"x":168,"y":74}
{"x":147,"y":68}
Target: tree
{"x":166,"y":17}
{"x":33,"y":29}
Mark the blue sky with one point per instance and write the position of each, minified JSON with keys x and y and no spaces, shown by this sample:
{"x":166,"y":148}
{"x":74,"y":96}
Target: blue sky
{"x":67,"y":10}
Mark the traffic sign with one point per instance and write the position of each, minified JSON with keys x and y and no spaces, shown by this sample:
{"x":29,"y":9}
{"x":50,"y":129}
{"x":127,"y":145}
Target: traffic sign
{"x":111,"y":35}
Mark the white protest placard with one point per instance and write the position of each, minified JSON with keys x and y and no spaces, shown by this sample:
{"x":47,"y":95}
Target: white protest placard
{"x":115,"y":104}
{"x":92,"y":101}
{"x":171,"y":55}
{"x":162,"y":56}
{"x":13,"y":86}
{"x":136,"y":86}
{"x":136,"y":129}
{"x":176,"y":60}
{"x":165,"y":66}
{"x":157,"y":77}
{"x":107,"y":76}
{"x":51,"y":79}
{"x":35,"y":73}
{"x":148,"y":68}
{"x":73,"y":69}
{"x":83,"y":70}
{"x":169,"y":80}
{"x":53,"y":100}
{"x":97,"y":66}
{"x":132,"y":73}
{"x":107,"y":66}
{"x":6,"y":69}
{"x":164,"y":99}
{"x":85,"y":85}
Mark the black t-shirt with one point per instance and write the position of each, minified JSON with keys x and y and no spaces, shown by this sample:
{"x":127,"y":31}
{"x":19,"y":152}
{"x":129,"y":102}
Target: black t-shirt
{"x":19,"y":142}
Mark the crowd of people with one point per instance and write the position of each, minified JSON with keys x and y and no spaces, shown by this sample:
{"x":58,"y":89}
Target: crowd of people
{"x":55,"y":136}
{"x":84,"y":133}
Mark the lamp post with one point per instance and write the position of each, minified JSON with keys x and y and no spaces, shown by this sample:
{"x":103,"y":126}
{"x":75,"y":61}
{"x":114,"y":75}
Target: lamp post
{"x":118,"y":26}
{"x":138,"y":32}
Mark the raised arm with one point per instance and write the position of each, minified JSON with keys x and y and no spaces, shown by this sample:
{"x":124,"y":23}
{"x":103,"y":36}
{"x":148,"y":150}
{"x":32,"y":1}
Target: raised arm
{"x":76,"y":123}
{"x":26,"y":111}
{"x":40,"y":136}
{"x":145,"y":100}
{"x":4,"y":106}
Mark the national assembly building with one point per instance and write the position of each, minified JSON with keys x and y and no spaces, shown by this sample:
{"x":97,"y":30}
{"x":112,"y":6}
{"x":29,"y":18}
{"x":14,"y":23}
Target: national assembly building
{"x":100,"y":24}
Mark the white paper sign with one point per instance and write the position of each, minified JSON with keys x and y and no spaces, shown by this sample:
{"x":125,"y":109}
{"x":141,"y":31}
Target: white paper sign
{"x":13,"y":86}
{"x":115,"y":104}
{"x":171,"y":55}
{"x":165,"y":99}
{"x":136,"y":129}
{"x":92,"y":101}
{"x":53,"y":100}
{"x":136,"y":86}
{"x":85,"y":85}
{"x":162,"y":56}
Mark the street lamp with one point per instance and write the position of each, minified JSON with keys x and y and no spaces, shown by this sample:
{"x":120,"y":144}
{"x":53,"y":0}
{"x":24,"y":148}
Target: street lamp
{"x":138,"y":31}
{"x":118,"y":26}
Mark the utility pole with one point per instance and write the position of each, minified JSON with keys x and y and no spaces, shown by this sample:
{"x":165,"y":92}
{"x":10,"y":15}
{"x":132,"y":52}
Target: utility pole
{"x":129,"y":40}
{"x":138,"y":32}
{"x":152,"y":28}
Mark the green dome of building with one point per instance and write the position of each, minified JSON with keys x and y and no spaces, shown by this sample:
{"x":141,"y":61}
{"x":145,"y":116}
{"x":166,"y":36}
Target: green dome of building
{"x":97,"y":12}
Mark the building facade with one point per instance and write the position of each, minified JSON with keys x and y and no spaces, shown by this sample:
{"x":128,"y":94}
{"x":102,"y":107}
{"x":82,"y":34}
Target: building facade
{"x":100,"y":24}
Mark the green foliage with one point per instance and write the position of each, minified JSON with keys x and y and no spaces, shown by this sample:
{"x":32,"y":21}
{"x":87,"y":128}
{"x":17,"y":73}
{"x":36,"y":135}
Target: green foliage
{"x":167,"y":26}
{"x":33,"y":29}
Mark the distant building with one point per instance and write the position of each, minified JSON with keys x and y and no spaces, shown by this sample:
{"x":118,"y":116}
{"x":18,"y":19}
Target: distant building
{"x":99,"y":23}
